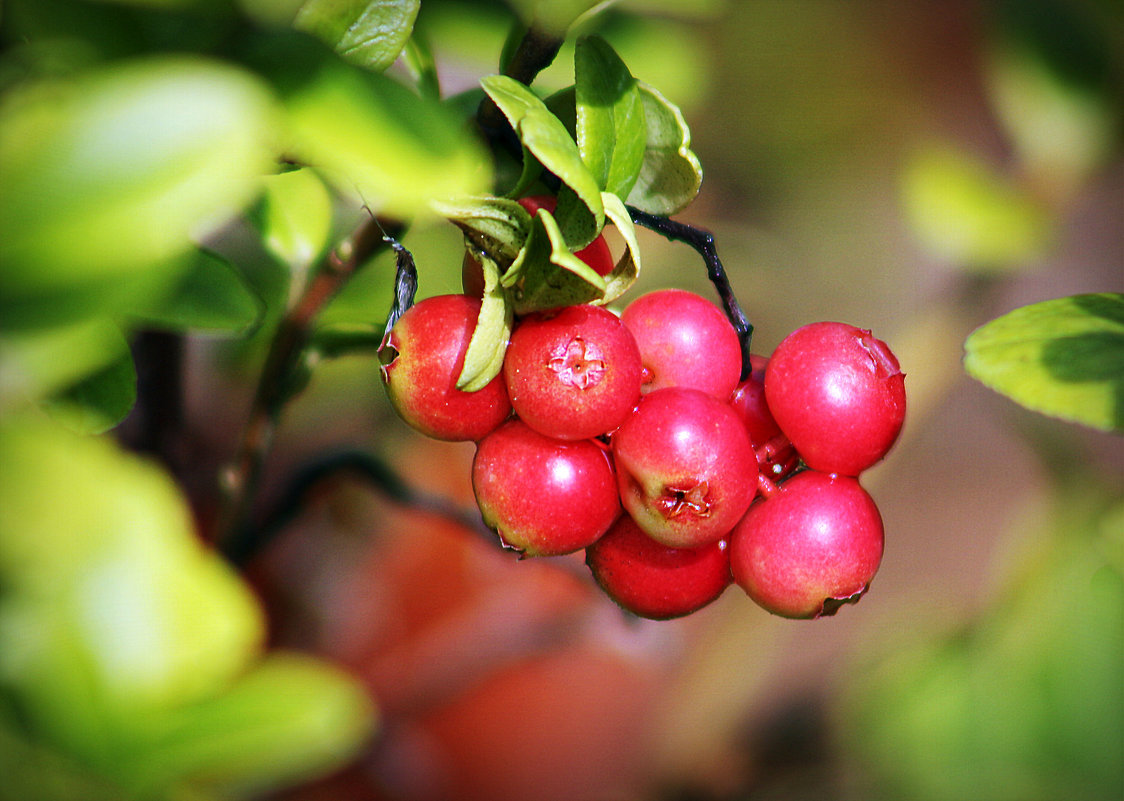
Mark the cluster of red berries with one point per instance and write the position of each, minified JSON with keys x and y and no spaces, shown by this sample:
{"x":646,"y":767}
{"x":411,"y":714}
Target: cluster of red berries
{"x":721,"y":480}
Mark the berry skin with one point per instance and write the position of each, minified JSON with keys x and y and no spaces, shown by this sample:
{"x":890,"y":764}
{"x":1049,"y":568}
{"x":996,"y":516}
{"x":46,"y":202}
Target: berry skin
{"x":544,"y":497}
{"x":685,"y":467}
{"x":428,"y":345}
{"x":775,"y":455}
{"x":572,"y":373}
{"x":838,"y":394}
{"x":811,"y":546}
{"x":685,"y":341}
{"x":596,"y":254}
{"x":652,"y":580}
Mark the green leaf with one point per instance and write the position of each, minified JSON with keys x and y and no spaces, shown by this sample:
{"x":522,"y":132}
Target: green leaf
{"x":610,"y":121}
{"x":547,"y":275}
{"x":627,"y":269}
{"x":483,"y":359}
{"x":554,"y":16}
{"x":547,"y":139}
{"x":966,"y":214}
{"x":372,"y":137}
{"x":295,"y":217}
{"x":498,"y":226}
{"x":290,"y":719}
{"x":211,"y":295}
{"x":99,"y":401}
{"x":1063,"y":358}
{"x":369,"y":33}
{"x":671,"y":174}
{"x":109,"y":175}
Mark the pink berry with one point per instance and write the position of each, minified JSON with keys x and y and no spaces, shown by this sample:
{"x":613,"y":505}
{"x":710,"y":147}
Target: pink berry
{"x":812,"y":545}
{"x":427,"y":347}
{"x":545,"y":497}
{"x":685,"y":341}
{"x":572,"y":373}
{"x":838,"y":394}
{"x":685,"y":467}
{"x":652,"y":580}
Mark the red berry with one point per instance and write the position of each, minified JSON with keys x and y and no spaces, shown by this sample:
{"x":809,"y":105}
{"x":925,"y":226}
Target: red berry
{"x":685,"y":467}
{"x":838,"y":394}
{"x":685,"y":341}
{"x":812,"y":545}
{"x":652,"y":580}
{"x":544,"y":497}
{"x":775,"y":455}
{"x":572,"y":373}
{"x":427,"y":347}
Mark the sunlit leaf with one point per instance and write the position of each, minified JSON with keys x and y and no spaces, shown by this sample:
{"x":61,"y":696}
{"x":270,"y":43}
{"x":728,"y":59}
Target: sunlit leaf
{"x":498,"y":226}
{"x":109,"y":175}
{"x":370,"y":33}
{"x":288,"y":720}
{"x":970,"y":216}
{"x":547,"y":275}
{"x":483,"y":359}
{"x":610,"y":121}
{"x":671,"y":174}
{"x":627,"y":269}
{"x":547,"y":139}
{"x":295,"y":217}
{"x":371,"y":136}
{"x":211,"y":295}
{"x":1063,"y":358}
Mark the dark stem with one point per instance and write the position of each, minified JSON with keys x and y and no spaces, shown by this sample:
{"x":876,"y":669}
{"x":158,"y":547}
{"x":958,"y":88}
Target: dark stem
{"x":240,"y":479}
{"x":368,"y":469}
{"x":703,"y":243}
{"x":535,"y":52}
{"x":156,"y":424}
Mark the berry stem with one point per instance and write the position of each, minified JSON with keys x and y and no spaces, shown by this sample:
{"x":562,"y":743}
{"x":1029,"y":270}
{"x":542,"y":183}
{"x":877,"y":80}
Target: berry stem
{"x":277,"y":382}
{"x":703,"y":243}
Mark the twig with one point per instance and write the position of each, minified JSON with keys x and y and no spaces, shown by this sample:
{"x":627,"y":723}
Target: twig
{"x":703,"y":243}
{"x":275,"y":386}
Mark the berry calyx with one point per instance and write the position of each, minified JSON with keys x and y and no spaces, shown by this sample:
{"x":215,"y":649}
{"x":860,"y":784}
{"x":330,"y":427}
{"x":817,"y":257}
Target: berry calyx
{"x":838,"y":394}
{"x":652,"y":580}
{"x":543,"y":496}
{"x":811,"y":546}
{"x":424,"y":355}
{"x":685,"y":467}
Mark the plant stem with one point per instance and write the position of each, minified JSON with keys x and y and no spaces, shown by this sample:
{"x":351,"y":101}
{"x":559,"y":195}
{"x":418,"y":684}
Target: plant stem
{"x":703,"y":243}
{"x":534,"y":53}
{"x":278,"y":381}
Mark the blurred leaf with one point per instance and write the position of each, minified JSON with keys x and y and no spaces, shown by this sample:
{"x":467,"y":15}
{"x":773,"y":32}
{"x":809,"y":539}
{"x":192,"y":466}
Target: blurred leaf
{"x":99,"y":401}
{"x":498,"y":226}
{"x":610,"y":118}
{"x":550,"y":143}
{"x":370,"y":33}
{"x":671,"y":174}
{"x":1049,"y":75}
{"x":343,"y":339}
{"x":547,"y":275}
{"x":295,"y":217}
{"x":371,"y":136}
{"x":1063,"y":358}
{"x":553,"y":16}
{"x":40,"y":363}
{"x":483,"y":359}
{"x":108,"y":176}
{"x":210,"y":296}
{"x":418,"y":59}
{"x":288,"y":720}
{"x":969,"y":216}
{"x":1026,"y":702}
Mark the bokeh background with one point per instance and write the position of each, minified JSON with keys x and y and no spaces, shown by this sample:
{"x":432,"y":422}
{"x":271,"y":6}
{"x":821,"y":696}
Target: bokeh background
{"x":913,"y":168}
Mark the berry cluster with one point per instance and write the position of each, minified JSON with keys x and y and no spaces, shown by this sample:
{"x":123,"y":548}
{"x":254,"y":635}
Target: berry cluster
{"x":721,"y":480}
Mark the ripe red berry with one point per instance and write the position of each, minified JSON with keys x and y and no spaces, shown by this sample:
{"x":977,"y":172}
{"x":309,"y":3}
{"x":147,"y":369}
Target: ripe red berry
{"x":652,"y":580}
{"x":572,"y":373}
{"x":838,"y":394}
{"x":812,"y":545}
{"x":544,"y":497}
{"x":427,"y":347}
{"x":685,"y":467}
{"x":775,"y":455}
{"x":685,"y":341}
